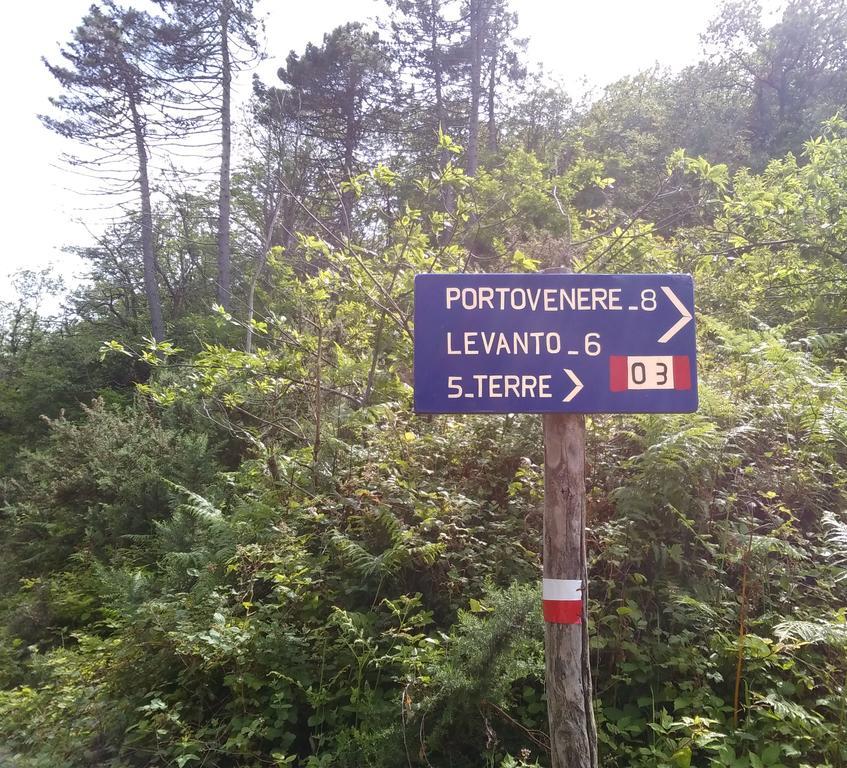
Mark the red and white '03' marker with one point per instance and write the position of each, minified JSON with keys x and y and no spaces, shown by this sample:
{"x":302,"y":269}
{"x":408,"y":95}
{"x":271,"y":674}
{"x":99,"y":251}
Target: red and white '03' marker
{"x":628,"y":372}
{"x":562,"y":600}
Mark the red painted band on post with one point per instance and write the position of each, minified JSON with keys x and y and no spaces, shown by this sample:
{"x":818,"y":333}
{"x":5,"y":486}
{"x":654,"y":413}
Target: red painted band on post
{"x":562,"y":611}
{"x":618,"y":377}
{"x":681,"y":372}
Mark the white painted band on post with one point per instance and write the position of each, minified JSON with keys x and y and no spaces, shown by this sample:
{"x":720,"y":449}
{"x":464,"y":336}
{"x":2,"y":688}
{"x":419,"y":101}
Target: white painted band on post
{"x":561,"y":589}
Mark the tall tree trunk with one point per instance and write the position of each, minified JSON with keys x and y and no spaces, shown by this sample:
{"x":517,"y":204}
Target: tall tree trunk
{"x":492,"y":89}
{"x":437,"y":73}
{"x":316,"y":446}
{"x":148,"y":254}
{"x":270,"y":226}
{"x":251,"y":298}
{"x":476,"y":27}
{"x":224,"y":195}
{"x":366,"y":398}
{"x":351,"y":137}
{"x":448,"y":194}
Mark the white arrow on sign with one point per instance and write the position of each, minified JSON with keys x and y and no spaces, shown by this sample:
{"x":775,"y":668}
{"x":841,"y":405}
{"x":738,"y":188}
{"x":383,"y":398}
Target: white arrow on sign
{"x":679,"y":324}
{"x":578,"y":385}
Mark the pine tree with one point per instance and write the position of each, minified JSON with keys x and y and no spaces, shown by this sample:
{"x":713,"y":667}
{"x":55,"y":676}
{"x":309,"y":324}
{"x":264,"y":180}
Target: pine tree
{"x":457,"y":57}
{"x":427,"y":44}
{"x":116,"y":102}
{"x":342,"y":92}
{"x":212,"y":39}
{"x":491,"y":52}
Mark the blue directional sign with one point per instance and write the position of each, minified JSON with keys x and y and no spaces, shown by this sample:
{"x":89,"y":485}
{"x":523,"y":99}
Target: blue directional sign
{"x":554,"y":342}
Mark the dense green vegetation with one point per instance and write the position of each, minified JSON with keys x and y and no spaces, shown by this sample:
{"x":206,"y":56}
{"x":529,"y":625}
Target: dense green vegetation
{"x":228,"y":540}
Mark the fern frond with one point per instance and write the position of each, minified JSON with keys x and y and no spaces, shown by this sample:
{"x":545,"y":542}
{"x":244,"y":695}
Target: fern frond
{"x":810,"y":632}
{"x":836,"y":536}
{"x":365,"y":563}
{"x":789,"y":710}
{"x":198,"y":506}
{"x":764,"y":545}
{"x":705,"y":611}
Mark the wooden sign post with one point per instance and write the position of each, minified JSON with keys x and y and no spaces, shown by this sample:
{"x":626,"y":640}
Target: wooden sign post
{"x":573,"y":733}
{"x":567,"y":674}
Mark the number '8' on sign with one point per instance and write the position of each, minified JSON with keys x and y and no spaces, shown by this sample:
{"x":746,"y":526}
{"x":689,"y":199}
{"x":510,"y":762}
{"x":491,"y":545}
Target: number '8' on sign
{"x":649,"y":372}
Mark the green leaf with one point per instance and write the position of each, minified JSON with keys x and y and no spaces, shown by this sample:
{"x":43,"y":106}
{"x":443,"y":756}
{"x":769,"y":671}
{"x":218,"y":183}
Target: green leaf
{"x":682,"y":757}
{"x":478,"y":607}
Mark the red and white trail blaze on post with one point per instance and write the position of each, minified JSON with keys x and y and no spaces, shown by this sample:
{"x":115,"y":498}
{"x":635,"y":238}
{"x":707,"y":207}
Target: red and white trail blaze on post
{"x":562,"y":601}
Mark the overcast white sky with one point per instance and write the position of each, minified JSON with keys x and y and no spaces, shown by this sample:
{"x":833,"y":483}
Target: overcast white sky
{"x":41,"y":211}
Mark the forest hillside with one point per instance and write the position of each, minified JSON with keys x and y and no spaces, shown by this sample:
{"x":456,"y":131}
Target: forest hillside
{"x":227,"y":538}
